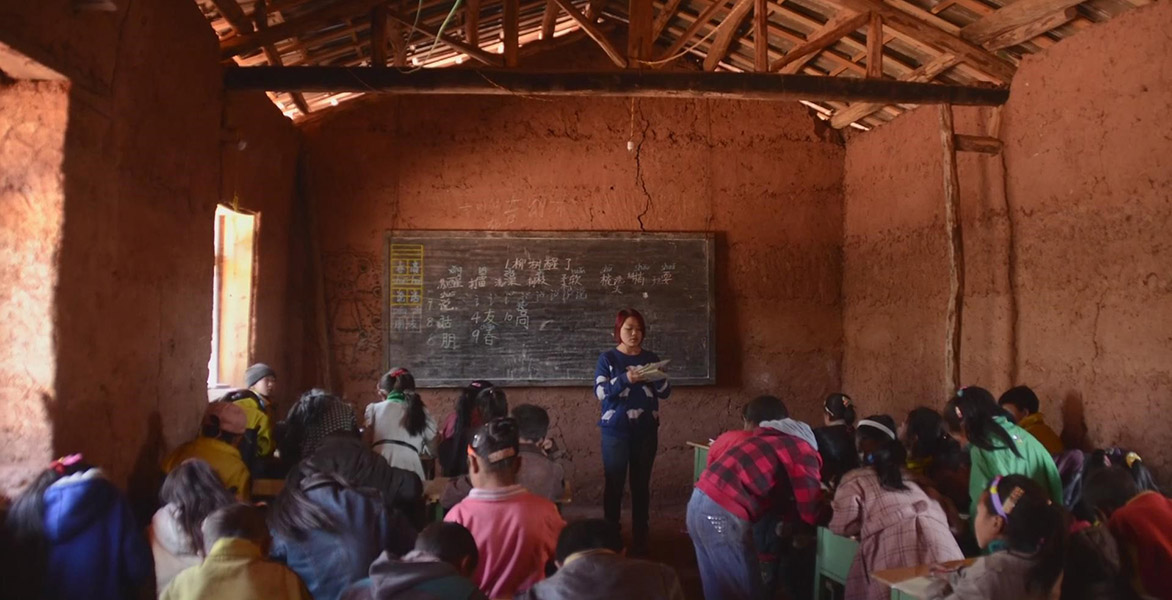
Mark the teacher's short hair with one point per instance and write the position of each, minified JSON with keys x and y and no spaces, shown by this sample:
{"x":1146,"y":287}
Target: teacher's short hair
{"x":622,"y":316}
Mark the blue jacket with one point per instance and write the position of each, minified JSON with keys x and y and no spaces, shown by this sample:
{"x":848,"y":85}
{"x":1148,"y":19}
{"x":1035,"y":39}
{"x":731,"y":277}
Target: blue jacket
{"x":329,"y":561}
{"x":96,"y":549}
{"x":627,"y":408}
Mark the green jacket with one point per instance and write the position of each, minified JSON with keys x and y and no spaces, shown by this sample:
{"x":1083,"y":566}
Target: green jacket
{"x":1035,"y":462}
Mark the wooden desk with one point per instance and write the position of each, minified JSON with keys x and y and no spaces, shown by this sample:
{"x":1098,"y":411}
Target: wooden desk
{"x":699,"y":459}
{"x":267,"y":488}
{"x":902,"y":581}
{"x":833,"y":561}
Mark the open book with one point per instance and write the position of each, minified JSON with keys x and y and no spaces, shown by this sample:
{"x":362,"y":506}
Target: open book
{"x":653,"y":371}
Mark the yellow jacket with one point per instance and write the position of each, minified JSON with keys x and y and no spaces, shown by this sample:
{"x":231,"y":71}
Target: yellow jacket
{"x":235,"y":568}
{"x":259,"y":420}
{"x":1036,"y":426}
{"x":224,"y":459}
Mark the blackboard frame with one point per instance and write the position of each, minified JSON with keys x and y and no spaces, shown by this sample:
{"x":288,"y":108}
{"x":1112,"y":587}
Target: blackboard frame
{"x":708,"y":238}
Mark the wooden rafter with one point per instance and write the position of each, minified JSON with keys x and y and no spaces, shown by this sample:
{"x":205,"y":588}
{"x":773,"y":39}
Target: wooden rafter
{"x":594,"y":8}
{"x":834,"y":30}
{"x":700,"y":21}
{"x":1018,"y":14}
{"x":726,"y":32}
{"x":596,"y":34}
{"x":861,"y":110}
{"x":760,"y":36}
{"x":378,"y":36}
{"x":1030,"y":31}
{"x":260,"y":22}
{"x":472,"y":22}
{"x":472,"y":51}
{"x":511,"y":31}
{"x":234,"y":15}
{"x":640,"y":18}
{"x":676,"y":84}
{"x":931,"y":35}
{"x":549,"y":19}
{"x":243,"y":44}
{"x":664,"y":17}
{"x":875,"y":47}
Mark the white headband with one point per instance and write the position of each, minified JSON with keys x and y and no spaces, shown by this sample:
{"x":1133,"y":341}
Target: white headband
{"x":877,"y":425}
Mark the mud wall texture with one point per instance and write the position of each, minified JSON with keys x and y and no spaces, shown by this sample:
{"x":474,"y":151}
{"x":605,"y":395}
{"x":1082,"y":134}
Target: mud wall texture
{"x":762,"y":176}
{"x":32,"y":134}
{"x":140,"y":176}
{"x":1066,"y":251}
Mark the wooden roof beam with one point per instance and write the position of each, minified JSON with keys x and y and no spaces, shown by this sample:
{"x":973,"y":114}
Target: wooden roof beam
{"x":726,"y":32}
{"x":700,"y":21}
{"x":860,"y":110}
{"x":760,"y":36}
{"x":549,"y":19}
{"x":243,"y":44}
{"x":378,"y":36}
{"x":510,"y":30}
{"x":640,"y":20}
{"x":929,"y":34}
{"x":260,"y":21}
{"x":669,"y":10}
{"x":596,"y":34}
{"x":677,"y":84}
{"x":875,"y":47}
{"x":1013,"y":16}
{"x":1030,"y":31}
{"x":834,"y":30}
{"x":472,"y":22}
{"x":474,"y":52}
{"x":234,"y":15}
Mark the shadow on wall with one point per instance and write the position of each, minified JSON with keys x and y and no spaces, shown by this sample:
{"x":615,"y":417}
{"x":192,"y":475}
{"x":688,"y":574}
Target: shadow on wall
{"x":1074,"y":424}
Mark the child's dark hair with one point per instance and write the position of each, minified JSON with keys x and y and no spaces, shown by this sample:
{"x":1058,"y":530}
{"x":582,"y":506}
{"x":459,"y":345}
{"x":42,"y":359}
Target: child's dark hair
{"x":293,"y":514}
{"x":840,"y":407}
{"x":887,"y":455}
{"x":622,"y":316}
{"x":26,"y":547}
{"x":196,"y":492}
{"x":1107,"y":490}
{"x":588,"y":534}
{"x":1022,"y":397}
{"x":1130,"y":461}
{"x":497,"y":443}
{"x":765,"y":408}
{"x":449,"y":542}
{"x":1033,"y":525}
{"x":305,"y":413}
{"x":235,"y":521}
{"x":532,"y":421}
{"x":972,"y":411}
{"x":401,"y":380}
{"x":928,"y":436}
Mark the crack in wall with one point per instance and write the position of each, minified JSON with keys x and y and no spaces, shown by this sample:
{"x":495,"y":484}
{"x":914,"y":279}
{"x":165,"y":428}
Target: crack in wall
{"x":639,"y":178}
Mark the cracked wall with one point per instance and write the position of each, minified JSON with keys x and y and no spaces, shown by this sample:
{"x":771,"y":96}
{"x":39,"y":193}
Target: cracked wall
{"x":761,"y":175}
{"x":1068,"y":287}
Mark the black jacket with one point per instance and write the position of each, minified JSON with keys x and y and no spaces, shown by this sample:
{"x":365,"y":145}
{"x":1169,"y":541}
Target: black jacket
{"x":836,"y":444}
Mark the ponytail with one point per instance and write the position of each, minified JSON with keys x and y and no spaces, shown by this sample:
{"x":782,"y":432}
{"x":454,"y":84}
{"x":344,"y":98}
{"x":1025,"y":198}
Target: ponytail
{"x":887,"y":455}
{"x":840,"y":407}
{"x":414,"y":419}
{"x":1033,"y":526}
{"x":973,"y":411}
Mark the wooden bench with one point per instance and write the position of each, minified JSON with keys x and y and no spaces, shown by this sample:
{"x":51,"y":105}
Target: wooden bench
{"x":266,"y":489}
{"x":832,"y":561}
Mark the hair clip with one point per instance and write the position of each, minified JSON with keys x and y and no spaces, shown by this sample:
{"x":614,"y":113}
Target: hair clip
{"x":60,"y":464}
{"x":500,"y":455}
{"x":397,"y":372}
{"x":959,"y":415}
{"x":1014,"y":496}
{"x":846,"y":401}
{"x":1131,"y":459}
{"x":960,"y":393}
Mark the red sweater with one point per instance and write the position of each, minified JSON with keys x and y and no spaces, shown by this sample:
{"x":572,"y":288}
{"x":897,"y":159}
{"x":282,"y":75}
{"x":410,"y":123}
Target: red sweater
{"x":1144,"y":527}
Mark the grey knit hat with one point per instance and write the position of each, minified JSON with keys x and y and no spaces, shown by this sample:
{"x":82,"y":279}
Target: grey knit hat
{"x":257,"y":372}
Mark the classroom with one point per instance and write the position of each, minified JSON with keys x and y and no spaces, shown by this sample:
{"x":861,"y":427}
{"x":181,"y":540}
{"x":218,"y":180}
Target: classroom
{"x":257,"y":223}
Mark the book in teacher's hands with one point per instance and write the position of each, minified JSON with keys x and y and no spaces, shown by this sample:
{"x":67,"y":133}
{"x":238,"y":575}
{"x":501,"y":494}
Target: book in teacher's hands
{"x":653,"y":371}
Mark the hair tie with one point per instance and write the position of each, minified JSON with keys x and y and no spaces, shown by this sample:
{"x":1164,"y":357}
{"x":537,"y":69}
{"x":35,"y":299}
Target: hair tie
{"x":877,"y":425}
{"x":62,"y":463}
{"x":500,"y":455}
{"x":1131,"y":459}
{"x":846,"y":401}
{"x":397,"y":372}
{"x":960,"y":393}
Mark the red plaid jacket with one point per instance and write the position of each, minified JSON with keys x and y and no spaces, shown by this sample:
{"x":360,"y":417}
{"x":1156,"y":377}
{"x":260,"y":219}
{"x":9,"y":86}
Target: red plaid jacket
{"x":769,"y":472}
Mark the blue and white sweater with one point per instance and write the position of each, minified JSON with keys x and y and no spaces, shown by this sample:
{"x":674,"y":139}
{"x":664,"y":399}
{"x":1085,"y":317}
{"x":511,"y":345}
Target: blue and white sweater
{"x":627,"y":408}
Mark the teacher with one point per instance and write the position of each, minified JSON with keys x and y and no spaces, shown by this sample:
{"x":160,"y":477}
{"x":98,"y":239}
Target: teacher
{"x":629,"y":423}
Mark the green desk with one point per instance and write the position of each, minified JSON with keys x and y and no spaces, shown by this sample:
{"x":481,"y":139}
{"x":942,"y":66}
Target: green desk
{"x":699,"y":459}
{"x":833,"y":560}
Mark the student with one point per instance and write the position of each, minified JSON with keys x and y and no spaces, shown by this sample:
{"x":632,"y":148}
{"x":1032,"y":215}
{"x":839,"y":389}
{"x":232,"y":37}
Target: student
{"x":591,"y":566}
{"x":316,"y":415}
{"x":399,"y":427}
{"x":1095,"y":567}
{"x":515,"y":531}
{"x":934,"y":458}
{"x":190,"y":493}
{"x":479,"y":403}
{"x":329,"y":532}
{"x":1142,"y":524}
{"x":261,"y":381}
{"x":539,"y":474}
{"x":236,"y":542}
{"x":772,"y":471}
{"x":439,"y":568}
{"x":996,"y":446}
{"x":220,"y":435}
{"x":761,"y":408}
{"x":1025,"y":535}
{"x":896,"y":522}
{"x":836,"y":440}
{"x":1022,"y":403}
{"x":72,"y":535}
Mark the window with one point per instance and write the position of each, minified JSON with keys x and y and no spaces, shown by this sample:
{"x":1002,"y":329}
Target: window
{"x":232,"y":296}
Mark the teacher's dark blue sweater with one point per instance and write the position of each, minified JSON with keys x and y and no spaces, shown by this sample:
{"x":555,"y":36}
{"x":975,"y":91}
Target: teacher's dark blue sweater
{"x":627,"y":408}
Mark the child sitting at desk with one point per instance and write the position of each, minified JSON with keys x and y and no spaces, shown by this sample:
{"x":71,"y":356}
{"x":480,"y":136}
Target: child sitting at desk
{"x":1141,"y":523}
{"x":1022,"y":403}
{"x":897,"y":523}
{"x":1025,"y":533}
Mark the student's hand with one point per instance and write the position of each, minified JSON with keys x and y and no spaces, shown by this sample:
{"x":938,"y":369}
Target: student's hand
{"x":546,"y":445}
{"x":633,"y":375}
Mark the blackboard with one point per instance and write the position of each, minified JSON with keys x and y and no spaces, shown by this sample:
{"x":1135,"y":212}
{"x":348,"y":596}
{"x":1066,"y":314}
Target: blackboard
{"x":537,"y":308}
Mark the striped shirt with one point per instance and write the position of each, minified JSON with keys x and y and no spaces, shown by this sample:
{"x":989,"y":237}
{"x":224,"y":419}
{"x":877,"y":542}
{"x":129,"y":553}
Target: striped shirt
{"x":770,"y":472}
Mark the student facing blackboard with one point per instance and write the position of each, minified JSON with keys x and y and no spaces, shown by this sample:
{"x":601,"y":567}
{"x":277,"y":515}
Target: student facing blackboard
{"x":629,"y":385}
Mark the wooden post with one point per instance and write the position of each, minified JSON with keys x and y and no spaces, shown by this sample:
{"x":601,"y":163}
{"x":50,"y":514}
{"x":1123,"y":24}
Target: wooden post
{"x":317,"y":275}
{"x":378,"y":36}
{"x":761,"y":35}
{"x":952,"y":225}
{"x":641,"y":17}
{"x":549,"y":19}
{"x":511,"y":31}
{"x":875,"y":47}
{"x":472,"y":22}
